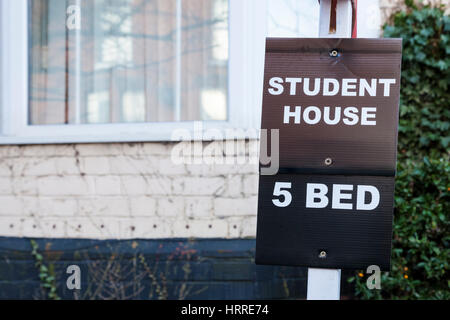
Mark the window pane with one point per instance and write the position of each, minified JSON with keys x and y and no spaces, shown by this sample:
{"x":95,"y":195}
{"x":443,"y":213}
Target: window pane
{"x":115,"y":61}
{"x":204,"y":59}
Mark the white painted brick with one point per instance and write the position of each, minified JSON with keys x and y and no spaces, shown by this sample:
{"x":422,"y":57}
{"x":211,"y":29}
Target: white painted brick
{"x":234,"y":187}
{"x":234,"y":227}
{"x":57,"y":207}
{"x":17,"y":166}
{"x":248,"y":168}
{"x":124,"y":165}
{"x":214,"y":149}
{"x":197,"y":169}
{"x":143,"y":206}
{"x":5,"y":186}
{"x":147,"y":164}
{"x":199,"y":186}
{"x":67,"y":166}
{"x":160,"y":228}
{"x":248,"y":227}
{"x":217,"y":167}
{"x":95,"y":165}
{"x":24,"y":186}
{"x":160,"y":149}
{"x":6,"y":167}
{"x":170,"y":207}
{"x":242,"y":227}
{"x":253,"y":147}
{"x":10,"y":226}
{"x":142,"y":185}
{"x":101,"y":149}
{"x":146,"y":149}
{"x":235,"y":147}
{"x":134,"y":185}
{"x":129,"y":165}
{"x":213,"y":167}
{"x":31,"y":228}
{"x":49,"y":151}
{"x":183,"y":229}
{"x":225,"y":207}
{"x":93,"y":228}
{"x":35,"y":167}
{"x":107,"y":185}
{"x":30,"y":206}
{"x":145,"y":228}
{"x":186,"y":150}
{"x":127,"y":188}
{"x":10,"y":151}
{"x":43,"y":228}
{"x":167,"y":167}
{"x":11,"y":205}
{"x":199,"y":207}
{"x":132,"y":149}
{"x":53,"y":227}
{"x":201,"y":228}
{"x":251,"y":184}
{"x":67,"y":185}
{"x":104,"y":206}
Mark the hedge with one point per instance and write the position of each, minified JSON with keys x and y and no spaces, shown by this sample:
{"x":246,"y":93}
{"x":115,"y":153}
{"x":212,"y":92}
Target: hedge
{"x":420,"y":248}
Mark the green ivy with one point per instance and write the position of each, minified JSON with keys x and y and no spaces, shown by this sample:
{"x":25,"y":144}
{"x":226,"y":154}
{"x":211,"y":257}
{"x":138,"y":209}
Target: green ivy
{"x":46,"y":276}
{"x":421,"y":237}
{"x":424,"y":113}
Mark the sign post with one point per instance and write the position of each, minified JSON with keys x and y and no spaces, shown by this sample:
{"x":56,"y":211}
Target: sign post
{"x":325,"y":284}
{"x":333,"y":103}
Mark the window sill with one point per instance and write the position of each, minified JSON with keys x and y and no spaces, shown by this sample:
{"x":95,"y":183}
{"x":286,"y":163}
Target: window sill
{"x":135,"y":132}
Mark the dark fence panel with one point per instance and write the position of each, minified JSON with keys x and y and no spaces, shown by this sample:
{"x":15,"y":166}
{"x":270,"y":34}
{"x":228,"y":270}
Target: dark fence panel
{"x":146,"y":269}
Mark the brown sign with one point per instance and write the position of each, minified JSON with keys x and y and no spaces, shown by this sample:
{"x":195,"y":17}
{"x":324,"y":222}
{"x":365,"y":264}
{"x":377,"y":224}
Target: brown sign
{"x":335,"y":104}
{"x":338,"y":105}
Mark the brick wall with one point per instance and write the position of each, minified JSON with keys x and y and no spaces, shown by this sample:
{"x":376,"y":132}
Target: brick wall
{"x":123,"y":191}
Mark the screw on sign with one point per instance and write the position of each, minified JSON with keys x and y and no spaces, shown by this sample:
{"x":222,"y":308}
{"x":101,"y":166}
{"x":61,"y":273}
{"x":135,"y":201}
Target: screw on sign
{"x":334,"y":53}
{"x":334,"y":102}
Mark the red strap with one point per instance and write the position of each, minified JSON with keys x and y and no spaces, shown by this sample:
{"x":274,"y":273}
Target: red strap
{"x":355,"y":21}
{"x":354,"y":18}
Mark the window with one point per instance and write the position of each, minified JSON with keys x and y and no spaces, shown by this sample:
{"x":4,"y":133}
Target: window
{"x":128,"y":70}
{"x":136,"y":70}
{"x":126,"y":61}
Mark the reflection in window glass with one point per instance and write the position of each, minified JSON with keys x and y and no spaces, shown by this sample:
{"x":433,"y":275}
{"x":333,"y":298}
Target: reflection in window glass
{"x":116,"y":61}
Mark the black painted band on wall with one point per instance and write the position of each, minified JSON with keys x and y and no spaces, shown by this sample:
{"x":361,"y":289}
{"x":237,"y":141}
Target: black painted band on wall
{"x":146,"y":269}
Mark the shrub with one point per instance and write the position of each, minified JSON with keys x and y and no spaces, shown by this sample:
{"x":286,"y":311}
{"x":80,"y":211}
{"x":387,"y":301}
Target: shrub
{"x":420,"y":249}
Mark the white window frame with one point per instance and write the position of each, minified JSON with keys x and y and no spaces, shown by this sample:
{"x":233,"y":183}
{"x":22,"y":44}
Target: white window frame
{"x":247,"y":27}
